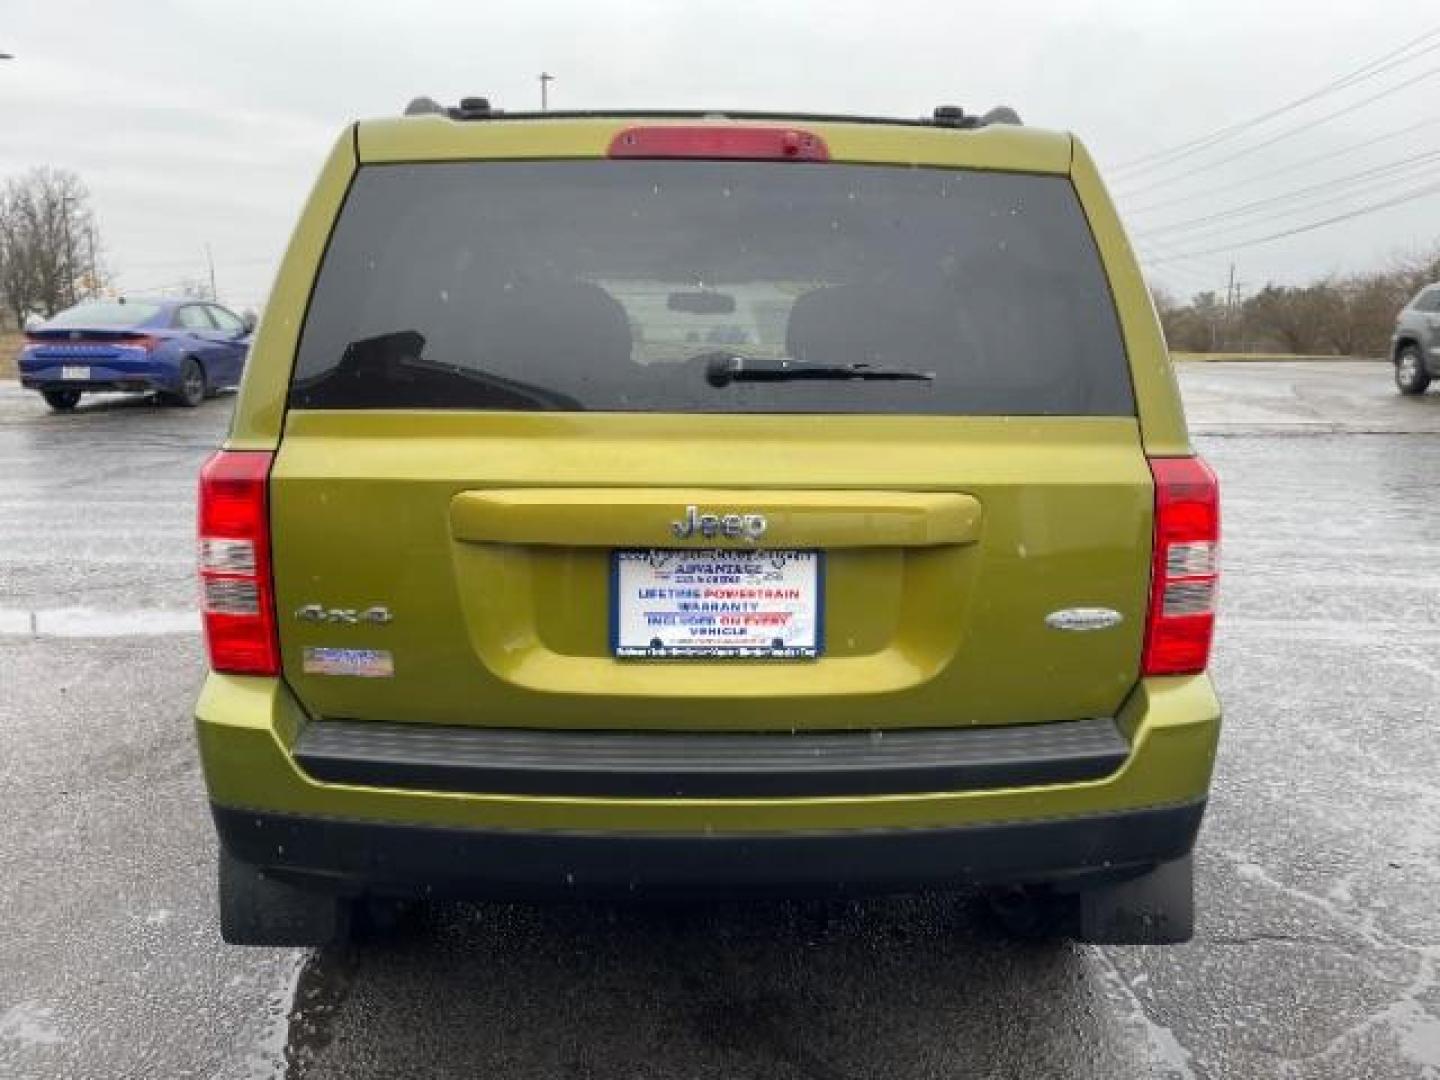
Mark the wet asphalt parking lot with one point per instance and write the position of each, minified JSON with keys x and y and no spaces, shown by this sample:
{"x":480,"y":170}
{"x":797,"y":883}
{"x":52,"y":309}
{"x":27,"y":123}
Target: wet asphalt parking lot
{"x":1319,"y":866}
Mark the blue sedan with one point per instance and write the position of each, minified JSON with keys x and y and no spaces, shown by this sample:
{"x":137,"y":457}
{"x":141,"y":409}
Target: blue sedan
{"x":184,"y":349}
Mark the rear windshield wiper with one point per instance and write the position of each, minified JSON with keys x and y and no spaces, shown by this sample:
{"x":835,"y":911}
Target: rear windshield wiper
{"x":723,"y":368}
{"x":389,"y":369}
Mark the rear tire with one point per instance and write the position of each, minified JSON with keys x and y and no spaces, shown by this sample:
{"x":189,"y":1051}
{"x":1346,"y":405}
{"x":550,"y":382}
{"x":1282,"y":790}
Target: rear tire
{"x":193,"y":386}
{"x":61,"y":400}
{"x":1410,"y":374}
{"x":258,"y":910}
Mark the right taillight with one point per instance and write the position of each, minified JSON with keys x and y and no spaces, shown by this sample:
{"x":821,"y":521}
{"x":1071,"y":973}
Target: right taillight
{"x":1185,"y":571}
{"x":236,"y":595}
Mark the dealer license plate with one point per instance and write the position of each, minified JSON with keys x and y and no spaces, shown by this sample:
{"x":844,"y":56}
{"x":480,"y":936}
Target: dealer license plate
{"x":741,"y":605}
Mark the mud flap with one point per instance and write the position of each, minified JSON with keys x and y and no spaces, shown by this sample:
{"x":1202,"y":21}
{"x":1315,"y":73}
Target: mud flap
{"x":258,"y":910}
{"x":1156,"y":908}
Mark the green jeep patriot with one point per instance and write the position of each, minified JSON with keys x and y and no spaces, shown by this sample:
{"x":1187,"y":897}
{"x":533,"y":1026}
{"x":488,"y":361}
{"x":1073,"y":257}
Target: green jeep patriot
{"x":707,"y":504}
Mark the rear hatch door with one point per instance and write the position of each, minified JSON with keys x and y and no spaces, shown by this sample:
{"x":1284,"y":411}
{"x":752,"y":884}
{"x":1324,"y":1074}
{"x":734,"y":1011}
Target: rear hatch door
{"x":559,"y":452}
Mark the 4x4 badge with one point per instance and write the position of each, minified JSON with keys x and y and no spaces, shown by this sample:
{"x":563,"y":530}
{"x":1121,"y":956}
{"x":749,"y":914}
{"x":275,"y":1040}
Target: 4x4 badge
{"x":318,"y":613}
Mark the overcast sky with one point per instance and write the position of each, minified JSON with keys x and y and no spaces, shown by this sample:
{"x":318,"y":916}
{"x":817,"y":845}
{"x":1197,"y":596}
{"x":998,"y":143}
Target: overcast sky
{"x":205,"y":122}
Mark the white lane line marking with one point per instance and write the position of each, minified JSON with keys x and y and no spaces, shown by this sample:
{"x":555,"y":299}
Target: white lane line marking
{"x":1165,"y":1050}
{"x":267,"y":1058}
{"x":16,"y":622}
{"x":90,"y":622}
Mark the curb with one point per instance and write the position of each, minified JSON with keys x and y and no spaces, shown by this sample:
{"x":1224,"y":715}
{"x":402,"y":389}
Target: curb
{"x":1268,"y":358}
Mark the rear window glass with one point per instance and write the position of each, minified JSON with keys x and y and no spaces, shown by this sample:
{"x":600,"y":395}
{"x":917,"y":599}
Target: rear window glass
{"x":683,"y":286}
{"x":1428,"y":300}
{"x":87,"y":316}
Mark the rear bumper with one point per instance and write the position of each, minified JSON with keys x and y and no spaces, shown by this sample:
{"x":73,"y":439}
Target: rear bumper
{"x":404,"y":860}
{"x":274,"y":813}
{"x":706,"y":765}
{"x":129,"y":384}
{"x":127,"y":374}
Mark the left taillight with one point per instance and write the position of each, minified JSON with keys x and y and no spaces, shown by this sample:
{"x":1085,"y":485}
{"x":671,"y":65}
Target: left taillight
{"x":237,"y":596}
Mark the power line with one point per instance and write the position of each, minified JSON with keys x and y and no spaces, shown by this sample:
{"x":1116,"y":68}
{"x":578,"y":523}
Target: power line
{"x":1309,"y":208}
{"x":161,"y":287}
{"x":1158,"y":158}
{"x":1365,"y":176}
{"x":255,"y":260}
{"x":1317,"y":159}
{"x":158,"y":263}
{"x":1174,"y":260}
{"x":1287,"y":133}
{"x":1409,"y":196}
{"x":1187,"y":281}
{"x":1200,"y":275}
{"x":1168,"y":248}
{"x":1363,"y":73}
{"x":1193,"y":279}
{"x":1147,"y":254}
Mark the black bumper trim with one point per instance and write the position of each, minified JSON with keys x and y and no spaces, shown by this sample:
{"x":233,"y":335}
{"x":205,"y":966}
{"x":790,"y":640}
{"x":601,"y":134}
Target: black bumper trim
{"x":409,"y":859}
{"x":629,"y":764}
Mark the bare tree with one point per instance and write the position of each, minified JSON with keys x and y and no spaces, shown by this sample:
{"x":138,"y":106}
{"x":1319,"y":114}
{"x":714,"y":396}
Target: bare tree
{"x":1170,"y":311}
{"x":48,"y":243}
{"x":1361,"y":315}
{"x":1292,"y":316}
{"x":1413,"y":272}
{"x":1348,"y":316}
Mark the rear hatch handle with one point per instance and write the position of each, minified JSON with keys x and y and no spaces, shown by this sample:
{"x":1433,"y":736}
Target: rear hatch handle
{"x":707,"y":518}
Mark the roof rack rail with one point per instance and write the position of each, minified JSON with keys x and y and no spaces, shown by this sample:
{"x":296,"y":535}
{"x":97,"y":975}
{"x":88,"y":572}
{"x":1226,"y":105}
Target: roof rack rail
{"x":479,"y":108}
{"x":473,"y":108}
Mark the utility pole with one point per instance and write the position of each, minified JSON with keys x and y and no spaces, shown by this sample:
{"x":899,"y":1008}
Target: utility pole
{"x":1230,"y":304}
{"x":545,"y":80}
{"x":94,"y":281}
{"x":1240,"y":312}
{"x":65,"y":203}
{"x":210,"y":261}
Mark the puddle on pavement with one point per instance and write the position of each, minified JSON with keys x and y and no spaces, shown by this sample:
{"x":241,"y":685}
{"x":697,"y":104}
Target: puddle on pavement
{"x":322,"y":986}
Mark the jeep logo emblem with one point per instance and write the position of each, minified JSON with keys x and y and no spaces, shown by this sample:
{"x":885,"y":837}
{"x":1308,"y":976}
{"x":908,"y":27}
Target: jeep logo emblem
{"x":731,"y":526}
